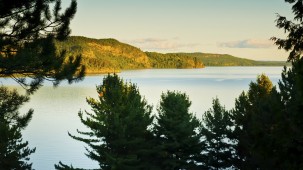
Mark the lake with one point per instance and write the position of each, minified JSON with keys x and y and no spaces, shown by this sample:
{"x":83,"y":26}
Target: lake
{"x":56,"y":109}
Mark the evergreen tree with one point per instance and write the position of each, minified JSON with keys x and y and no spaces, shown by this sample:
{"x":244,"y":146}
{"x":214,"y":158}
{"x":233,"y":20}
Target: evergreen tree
{"x":216,"y":130}
{"x":256,"y":117}
{"x":176,"y":131}
{"x":14,"y":153}
{"x":120,"y":135}
{"x":290,"y":131}
{"x":62,"y":166}
{"x":28,"y":55}
{"x":293,"y":28}
{"x":291,"y":87}
{"x":27,"y":33}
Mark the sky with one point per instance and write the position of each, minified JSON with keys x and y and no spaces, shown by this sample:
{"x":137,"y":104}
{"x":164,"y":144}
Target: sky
{"x":238,"y":27}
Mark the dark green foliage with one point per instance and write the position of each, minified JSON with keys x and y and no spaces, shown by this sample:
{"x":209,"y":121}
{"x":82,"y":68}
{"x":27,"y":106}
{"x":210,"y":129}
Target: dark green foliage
{"x":228,"y":60}
{"x":256,"y":117}
{"x":216,"y":130}
{"x":27,"y":49}
{"x":173,"y":60}
{"x":290,"y":153}
{"x":119,"y":136}
{"x":177,"y":138}
{"x":28,"y":55}
{"x":294,"y":29}
{"x":268,"y":123}
{"x":290,"y":125}
{"x":61,"y":166}
{"x":105,"y":55}
{"x":14,"y":153}
{"x":110,"y":55}
{"x":221,"y":60}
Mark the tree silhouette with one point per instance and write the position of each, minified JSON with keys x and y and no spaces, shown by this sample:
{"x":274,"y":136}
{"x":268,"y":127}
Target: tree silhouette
{"x":256,"y":115}
{"x":294,"y":29}
{"x":216,"y":130}
{"x":27,"y":33}
{"x":14,"y":153}
{"x":291,"y":87}
{"x":28,"y":55}
{"x":119,"y":127}
{"x":177,"y":137}
{"x":290,"y":125}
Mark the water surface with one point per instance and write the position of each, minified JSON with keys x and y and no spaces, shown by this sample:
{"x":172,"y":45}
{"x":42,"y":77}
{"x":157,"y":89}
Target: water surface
{"x":56,"y":109}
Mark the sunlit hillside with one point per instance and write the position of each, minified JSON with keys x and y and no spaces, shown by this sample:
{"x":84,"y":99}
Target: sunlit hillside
{"x":105,"y":55}
{"x":110,"y":55}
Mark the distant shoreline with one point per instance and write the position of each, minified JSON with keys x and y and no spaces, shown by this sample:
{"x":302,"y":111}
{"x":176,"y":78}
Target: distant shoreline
{"x":89,"y":73}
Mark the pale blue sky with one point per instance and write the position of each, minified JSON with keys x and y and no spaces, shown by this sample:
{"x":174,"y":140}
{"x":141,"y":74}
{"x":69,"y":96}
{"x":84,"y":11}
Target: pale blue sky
{"x":237,"y":27}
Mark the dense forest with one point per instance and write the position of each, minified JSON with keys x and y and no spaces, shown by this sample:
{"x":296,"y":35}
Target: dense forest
{"x":228,"y":60}
{"x":105,"y":55}
{"x":110,"y":55}
{"x":173,"y":60}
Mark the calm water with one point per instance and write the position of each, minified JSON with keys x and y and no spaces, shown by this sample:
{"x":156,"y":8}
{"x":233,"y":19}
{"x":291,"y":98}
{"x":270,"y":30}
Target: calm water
{"x":56,"y":108}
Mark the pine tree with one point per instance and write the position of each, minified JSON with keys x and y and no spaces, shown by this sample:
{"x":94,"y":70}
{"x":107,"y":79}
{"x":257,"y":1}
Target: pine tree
{"x":176,"y":131}
{"x":14,"y":153}
{"x":256,"y":116}
{"x":119,"y":127}
{"x":27,"y":33}
{"x":290,"y":131}
{"x":290,"y":153}
{"x":293,"y":28}
{"x":216,"y":130}
{"x":28,"y":55}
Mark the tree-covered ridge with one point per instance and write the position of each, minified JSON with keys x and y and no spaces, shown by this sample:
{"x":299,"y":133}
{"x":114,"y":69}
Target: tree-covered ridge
{"x":173,"y":60}
{"x":105,"y":55}
{"x":228,"y":60}
{"x":110,"y":55}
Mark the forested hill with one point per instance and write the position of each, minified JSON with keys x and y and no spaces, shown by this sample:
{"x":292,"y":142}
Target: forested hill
{"x":173,"y":60}
{"x":110,"y":55}
{"x":229,"y":60}
{"x":105,"y":55}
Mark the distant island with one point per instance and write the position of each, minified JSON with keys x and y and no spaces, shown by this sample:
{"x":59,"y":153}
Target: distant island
{"x":110,"y":55}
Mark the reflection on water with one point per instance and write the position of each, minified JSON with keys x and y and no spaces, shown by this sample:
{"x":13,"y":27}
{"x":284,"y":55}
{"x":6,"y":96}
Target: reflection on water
{"x":56,"y":109}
